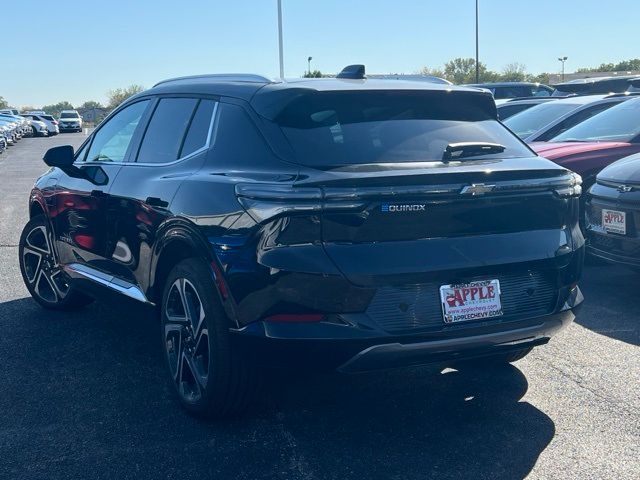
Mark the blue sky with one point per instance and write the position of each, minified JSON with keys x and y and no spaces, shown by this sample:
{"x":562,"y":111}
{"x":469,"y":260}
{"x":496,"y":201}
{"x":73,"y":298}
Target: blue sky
{"x":88,"y":47}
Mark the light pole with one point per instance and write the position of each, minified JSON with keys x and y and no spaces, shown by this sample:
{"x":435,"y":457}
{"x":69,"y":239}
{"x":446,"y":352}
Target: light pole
{"x":562,"y":60}
{"x":309,"y":63}
{"x":280,"y":39}
{"x":477,"y":48}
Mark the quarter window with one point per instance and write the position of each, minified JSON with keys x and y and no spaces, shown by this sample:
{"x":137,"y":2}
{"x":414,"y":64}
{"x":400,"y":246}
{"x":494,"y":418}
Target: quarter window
{"x":111,"y":142}
{"x":198,"y":133}
{"x":167,"y":127}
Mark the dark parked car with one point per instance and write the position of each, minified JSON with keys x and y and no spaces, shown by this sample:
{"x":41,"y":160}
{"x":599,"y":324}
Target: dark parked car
{"x":508,"y":108}
{"x":596,"y":142}
{"x":547,"y":121}
{"x":502,"y":90}
{"x":326,"y":223}
{"x":595,"y":86}
{"x":613,"y":213}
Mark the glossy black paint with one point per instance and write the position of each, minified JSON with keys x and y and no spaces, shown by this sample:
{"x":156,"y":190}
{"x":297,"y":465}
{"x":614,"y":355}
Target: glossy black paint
{"x":332,"y":256}
{"x":617,"y":188}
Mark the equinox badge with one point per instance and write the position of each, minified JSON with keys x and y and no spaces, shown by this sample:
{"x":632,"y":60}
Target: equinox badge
{"x":408,"y":207}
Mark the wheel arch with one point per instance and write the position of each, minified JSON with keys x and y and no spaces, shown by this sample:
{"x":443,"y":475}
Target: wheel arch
{"x":178,"y":240}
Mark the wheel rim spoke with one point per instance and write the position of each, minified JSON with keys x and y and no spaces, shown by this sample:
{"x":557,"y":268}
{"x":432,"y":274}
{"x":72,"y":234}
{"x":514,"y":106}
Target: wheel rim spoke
{"x":186,"y":340}
{"x":41,"y":268}
{"x":32,"y":261}
{"x":38,"y":240}
{"x":44,"y":287}
{"x":173,"y":346}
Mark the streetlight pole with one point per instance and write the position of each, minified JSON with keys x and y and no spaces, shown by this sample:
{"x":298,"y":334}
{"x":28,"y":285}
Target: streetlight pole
{"x":562,"y":60}
{"x":309,"y":63}
{"x":477,"y":48}
{"x":281,"y":55}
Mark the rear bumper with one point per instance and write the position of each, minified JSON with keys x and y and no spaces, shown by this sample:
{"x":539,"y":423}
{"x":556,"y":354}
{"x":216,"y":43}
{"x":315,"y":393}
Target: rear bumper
{"x":336,"y":347}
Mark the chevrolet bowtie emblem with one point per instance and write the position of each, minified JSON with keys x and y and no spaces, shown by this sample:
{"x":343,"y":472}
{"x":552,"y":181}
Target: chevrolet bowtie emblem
{"x":477,"y":189}
{"x":624,"y":188}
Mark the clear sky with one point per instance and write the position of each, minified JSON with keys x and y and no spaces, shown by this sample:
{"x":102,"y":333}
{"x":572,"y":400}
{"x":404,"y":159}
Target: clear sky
{"x":77,"y":50}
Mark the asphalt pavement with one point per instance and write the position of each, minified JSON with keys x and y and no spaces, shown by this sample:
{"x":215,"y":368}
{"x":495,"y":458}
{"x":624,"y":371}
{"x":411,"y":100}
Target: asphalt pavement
{"x":85,"y":395}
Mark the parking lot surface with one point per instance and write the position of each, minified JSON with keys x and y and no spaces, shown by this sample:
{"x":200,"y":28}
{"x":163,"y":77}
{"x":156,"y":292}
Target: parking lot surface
{"x":84,"y":395}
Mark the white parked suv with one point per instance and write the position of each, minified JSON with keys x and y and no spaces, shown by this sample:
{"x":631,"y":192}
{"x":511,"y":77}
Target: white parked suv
{"x":70,"y":121}
{"x":50,"y":122}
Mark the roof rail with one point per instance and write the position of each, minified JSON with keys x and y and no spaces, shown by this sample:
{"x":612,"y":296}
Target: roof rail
{"x":222,"y":77}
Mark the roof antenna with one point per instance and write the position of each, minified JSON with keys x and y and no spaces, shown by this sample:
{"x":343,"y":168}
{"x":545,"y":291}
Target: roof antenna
{"x":352,"y":71}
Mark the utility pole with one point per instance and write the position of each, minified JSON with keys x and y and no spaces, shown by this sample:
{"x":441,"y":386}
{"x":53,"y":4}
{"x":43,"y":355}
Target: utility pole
{"x":281,"y":55}
{"x":477,"y":48}
{"x":309,"y":65}
{"x":562,"y":60}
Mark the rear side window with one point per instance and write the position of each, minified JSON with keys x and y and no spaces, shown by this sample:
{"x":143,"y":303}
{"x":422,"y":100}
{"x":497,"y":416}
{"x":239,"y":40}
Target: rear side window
{"x":166,"y":130}
{"x":199,"y":129}
{"x":345,"y":128}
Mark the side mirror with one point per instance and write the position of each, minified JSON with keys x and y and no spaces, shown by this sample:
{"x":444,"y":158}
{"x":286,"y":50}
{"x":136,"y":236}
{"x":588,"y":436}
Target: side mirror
{"x":61,"y":157}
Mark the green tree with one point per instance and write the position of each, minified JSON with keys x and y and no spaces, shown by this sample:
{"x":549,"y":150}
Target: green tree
{"x":434,"y":72}
{"x":3,"y":103}
{"x":313,"y":74}
{"x":624,"y":66}
{"x":119,"y":95}
{"x":463,"y":70}
{"x":514,"y":72}
{"x":91,"y":104}
{"x":56,"y":108}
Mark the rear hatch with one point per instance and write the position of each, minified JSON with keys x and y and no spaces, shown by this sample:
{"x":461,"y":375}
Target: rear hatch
{"x":398,"y":225}
{"x":396,"y":209}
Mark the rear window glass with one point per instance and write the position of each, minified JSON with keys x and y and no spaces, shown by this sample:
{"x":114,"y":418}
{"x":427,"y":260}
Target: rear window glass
{"x":69,"y":115}
{"x":345,"y":128}
{"x":530,"y":121}
{"x":620,"y":124}
{"x":48,"y":117}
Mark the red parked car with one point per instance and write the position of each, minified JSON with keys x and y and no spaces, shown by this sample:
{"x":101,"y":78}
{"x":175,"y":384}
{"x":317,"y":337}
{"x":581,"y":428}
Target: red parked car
{"x":597,"y":142}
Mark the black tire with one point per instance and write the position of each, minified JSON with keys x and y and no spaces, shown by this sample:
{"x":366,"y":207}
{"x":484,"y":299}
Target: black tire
{"x":43,"y":277}
{"x":210,"y":378}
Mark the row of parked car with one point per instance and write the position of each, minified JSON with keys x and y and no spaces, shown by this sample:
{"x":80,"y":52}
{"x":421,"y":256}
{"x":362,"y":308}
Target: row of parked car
{"x":15,"y":125}
{"x":592,"y":128}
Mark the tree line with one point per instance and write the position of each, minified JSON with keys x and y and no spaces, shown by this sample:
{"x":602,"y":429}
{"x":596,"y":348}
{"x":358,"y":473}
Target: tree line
{"x":459,"y":70}
{"x":463,"y":70}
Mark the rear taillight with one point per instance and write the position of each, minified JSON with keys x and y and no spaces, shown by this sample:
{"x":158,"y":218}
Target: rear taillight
{"x":265,"y":201}
{"x":55,"y":122}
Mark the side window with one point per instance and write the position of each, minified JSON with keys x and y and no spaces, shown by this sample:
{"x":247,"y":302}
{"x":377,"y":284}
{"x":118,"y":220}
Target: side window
{"x":111,"y":142}
{"x":237,"y":139}
{"x":166,"y":130}
{"x":198,"y":133}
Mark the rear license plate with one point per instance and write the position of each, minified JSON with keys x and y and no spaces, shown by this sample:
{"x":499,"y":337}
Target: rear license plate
{"x":614,"y":221}
{"x":470,"y":301}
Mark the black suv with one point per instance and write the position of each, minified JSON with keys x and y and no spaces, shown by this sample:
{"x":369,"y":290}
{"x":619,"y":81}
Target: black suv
{"x":345,"y":223}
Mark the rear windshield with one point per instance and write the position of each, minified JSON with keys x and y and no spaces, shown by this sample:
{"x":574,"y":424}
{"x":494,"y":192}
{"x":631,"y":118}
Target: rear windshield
{"x":47,"y":117}
{"x":620,"y":124}
{"x":69,"y":115}
{"x":530,"y":121}
{"x":347,"y":128}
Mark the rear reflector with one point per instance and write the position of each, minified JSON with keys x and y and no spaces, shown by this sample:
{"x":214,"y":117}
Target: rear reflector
{"x":296,"y":318}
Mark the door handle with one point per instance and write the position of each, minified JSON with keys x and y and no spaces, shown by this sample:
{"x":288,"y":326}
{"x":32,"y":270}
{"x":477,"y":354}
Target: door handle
{"x":156,"y":202}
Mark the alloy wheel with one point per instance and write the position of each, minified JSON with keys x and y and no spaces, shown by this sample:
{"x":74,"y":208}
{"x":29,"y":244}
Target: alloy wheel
{"x":186,"y":340}
{"x":41,"y":268}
